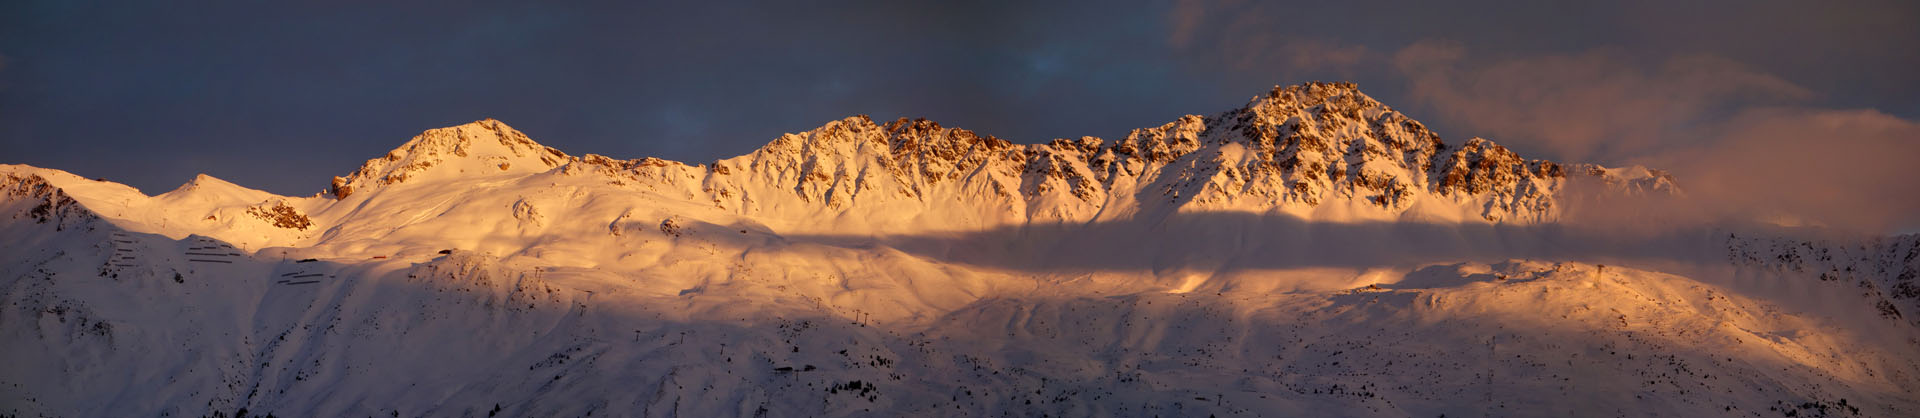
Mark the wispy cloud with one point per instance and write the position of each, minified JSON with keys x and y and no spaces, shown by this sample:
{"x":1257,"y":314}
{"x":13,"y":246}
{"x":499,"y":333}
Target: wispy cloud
{"x":1239,"y":35}
{"x":1850,"y":169}
{"x":1735,"y":137}
{"x":1595,"y":105}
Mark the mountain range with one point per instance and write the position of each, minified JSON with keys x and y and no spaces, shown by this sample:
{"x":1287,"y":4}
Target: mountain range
{"x":1313,"y":252}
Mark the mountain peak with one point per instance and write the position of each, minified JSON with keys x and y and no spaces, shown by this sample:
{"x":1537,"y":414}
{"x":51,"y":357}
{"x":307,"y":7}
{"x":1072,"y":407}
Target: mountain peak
{"x":1341,"y":99}
{"x":467,"y":137}
{"x":1314,"y":92}
{"x":204,"y":180}
{"x":210,"y":188}
{"x":476,"y":148}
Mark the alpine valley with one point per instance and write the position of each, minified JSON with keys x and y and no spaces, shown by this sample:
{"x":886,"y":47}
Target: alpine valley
{"x":1312,"y":253}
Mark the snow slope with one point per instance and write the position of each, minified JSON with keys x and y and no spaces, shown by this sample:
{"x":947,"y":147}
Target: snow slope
{"x":1311,"y":253}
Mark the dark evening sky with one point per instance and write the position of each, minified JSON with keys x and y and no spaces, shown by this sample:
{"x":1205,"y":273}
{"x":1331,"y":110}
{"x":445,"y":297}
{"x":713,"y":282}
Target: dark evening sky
{"x":1739,"y":98}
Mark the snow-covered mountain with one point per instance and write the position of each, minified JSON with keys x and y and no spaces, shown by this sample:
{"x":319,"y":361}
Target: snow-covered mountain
{"x":1313,"y":252}
{"x":1319,"y":151}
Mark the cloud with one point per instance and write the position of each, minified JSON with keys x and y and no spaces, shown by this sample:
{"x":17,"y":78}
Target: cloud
{"x":1243,"y":36}
{"x":1844,"y":169}
{"x":1183,"y":20}
{"x":1720,"y":127}
{"x":1596,"y":105}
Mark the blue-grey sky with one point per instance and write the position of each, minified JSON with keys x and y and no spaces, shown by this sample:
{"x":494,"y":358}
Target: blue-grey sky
{"x":282,"y":95}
